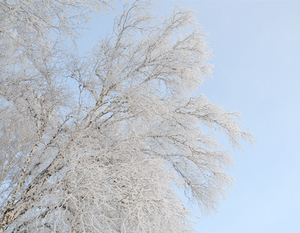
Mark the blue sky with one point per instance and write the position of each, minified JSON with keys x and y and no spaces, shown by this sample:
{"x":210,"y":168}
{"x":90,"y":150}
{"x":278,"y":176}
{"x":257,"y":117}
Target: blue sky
{"x":257,"y":55}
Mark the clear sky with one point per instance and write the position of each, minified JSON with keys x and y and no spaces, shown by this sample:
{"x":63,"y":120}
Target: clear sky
{"x":257,"y":72}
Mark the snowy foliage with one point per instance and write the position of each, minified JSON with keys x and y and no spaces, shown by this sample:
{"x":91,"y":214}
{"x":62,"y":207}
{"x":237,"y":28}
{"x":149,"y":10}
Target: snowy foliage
{"x":101,"y":143}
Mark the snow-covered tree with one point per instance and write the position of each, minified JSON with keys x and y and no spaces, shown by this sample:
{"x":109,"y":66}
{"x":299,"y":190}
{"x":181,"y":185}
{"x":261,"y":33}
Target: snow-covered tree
{"x":101,"y":142}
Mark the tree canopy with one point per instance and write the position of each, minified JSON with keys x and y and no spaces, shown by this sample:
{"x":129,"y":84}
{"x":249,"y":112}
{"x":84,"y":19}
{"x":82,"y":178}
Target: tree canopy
{"x":100,"y":142}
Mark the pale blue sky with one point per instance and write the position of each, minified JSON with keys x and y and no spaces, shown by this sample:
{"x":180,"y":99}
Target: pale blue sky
{"x":257,"y":72}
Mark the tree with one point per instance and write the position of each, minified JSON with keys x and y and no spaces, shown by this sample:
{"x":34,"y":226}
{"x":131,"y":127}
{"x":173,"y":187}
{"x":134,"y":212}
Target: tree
{"x":98,"y":143}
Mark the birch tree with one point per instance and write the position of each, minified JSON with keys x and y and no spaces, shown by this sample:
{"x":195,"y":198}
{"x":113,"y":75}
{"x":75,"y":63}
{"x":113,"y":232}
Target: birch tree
{"x":101,"y":142}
